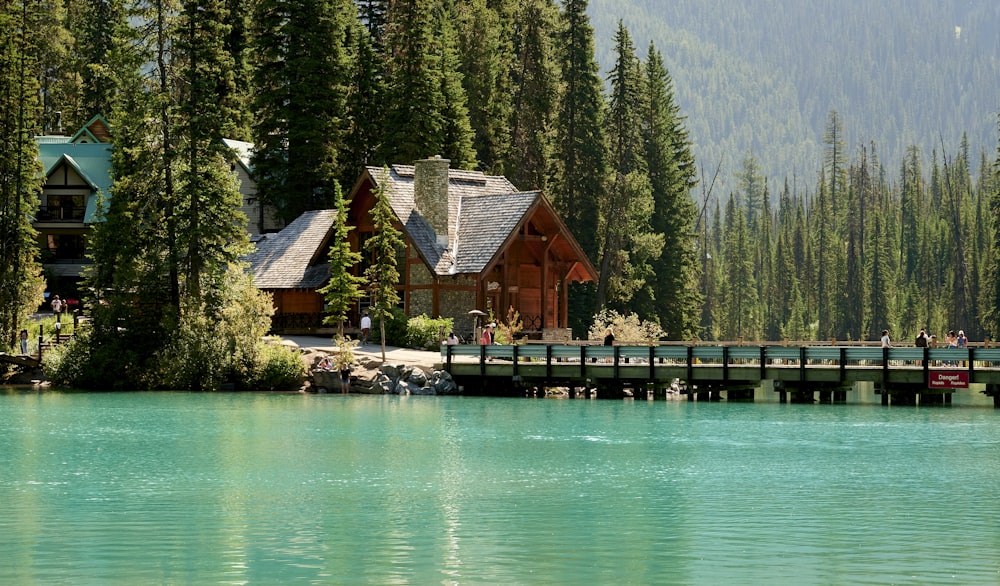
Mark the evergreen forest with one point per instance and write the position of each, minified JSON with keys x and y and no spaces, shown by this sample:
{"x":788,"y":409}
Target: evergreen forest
{"x":700,"y":213}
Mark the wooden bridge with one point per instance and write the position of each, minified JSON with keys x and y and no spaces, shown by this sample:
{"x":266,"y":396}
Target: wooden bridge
{"x":899,"y":375}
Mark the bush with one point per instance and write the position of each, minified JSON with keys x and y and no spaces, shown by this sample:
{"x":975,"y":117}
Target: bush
{"x":426,"y":333}
{"x":66,"y":364}
{"x":395,"y":328}
{"x":278,"y":368}
{"x":628,"y":329}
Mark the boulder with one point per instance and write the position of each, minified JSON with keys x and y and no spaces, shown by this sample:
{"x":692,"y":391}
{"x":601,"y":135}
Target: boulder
{"x":408,"y":380}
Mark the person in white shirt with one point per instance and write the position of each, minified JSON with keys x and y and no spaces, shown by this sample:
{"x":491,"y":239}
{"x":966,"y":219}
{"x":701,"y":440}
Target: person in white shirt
{"x":886,"y":342}
{"x":366,"y":327}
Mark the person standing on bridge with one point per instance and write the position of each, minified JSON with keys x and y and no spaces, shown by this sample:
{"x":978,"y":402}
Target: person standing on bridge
{"x":24,"y":342}
{"x":886,"y":342}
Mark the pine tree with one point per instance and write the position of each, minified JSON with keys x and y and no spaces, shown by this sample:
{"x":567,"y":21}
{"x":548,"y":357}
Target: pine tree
{"x":97,"y":28}
{"x":383,"y":246}
{"x":580,"y":156}
{"x":672,"y":175}
{"x":535,"y":87}
{"x":20,"y":275}
{"x":373,"y":15}
{"x":237,"y":45}
{"x":343,"y":288}
{"x":486,"y":53}
{"x":133,"y":255}
{"x":457,"y":137}
{"x":581,"y":149}
{"x":209,"y":227}
{"x":628,"y":243}
{"x":364,"y":105}
{"x":165,"y":258}
{"x":301,"y":77}
{"x":739,"y":293}
{"x":426,"y":111}
{"x":56,"y":66}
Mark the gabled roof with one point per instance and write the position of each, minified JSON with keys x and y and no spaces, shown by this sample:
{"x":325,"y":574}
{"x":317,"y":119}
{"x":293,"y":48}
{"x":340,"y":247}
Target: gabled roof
{"x":485,"y":222}
{"x":292,"y":258}
{"x":92,"y":161}
{"x":463,"y":188}
{"x":243,"y":150}
{"x":95,"y":130}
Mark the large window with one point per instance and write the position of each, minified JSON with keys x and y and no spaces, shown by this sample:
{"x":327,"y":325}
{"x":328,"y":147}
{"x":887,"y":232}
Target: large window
{"x":63,"y":247}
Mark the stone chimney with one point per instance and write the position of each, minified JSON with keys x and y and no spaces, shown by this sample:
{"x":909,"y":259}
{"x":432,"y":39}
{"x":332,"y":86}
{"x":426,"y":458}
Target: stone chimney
{"x":430,"y":194}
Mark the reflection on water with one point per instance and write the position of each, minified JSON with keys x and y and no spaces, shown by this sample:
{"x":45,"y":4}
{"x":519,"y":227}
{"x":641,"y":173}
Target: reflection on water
{"x":236,"y":489}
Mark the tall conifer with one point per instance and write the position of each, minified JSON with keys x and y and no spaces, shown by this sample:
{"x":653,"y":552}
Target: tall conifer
{"x":20,"y":280}
{"x":628,"y":243}
{"x":672,"y":175}
{"x":581,"y":150}
{"x":535,"y":86}
{"x":301,"y":76}
{"x":426,"y":111}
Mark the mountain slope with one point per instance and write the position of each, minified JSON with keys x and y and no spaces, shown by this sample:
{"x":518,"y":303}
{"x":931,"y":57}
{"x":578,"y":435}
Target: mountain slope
{"x":761,"y":76}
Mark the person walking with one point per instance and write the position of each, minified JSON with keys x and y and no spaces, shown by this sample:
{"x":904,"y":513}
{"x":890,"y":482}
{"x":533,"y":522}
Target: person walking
{"x":886,"y":342}
{"x":366,"y":327}
{"x":487,"y":338}
{"x":57,"y":307}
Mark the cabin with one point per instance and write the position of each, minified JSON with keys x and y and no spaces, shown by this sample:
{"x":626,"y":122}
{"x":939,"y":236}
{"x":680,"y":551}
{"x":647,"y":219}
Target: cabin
{"x":77,"y":168}
{"x":261,"y":219}
{"x":473,"y":243}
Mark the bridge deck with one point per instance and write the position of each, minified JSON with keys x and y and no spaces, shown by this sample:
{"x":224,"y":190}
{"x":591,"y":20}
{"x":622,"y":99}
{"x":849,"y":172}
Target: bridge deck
{"x":936,"y":369}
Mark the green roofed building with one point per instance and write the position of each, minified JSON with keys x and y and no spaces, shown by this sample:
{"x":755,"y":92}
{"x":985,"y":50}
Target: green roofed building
{"x":77,"y":169}
{"x":78,"y":175}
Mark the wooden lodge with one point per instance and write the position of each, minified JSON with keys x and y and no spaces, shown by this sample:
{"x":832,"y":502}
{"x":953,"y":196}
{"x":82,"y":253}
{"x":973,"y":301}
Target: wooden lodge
{"x":472,"y":242}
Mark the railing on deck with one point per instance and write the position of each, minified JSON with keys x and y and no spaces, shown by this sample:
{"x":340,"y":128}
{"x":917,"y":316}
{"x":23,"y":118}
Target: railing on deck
{"x":728,"y":356}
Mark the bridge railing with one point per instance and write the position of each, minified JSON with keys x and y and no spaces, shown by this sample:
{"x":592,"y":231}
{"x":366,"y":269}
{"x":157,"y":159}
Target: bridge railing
{"x":845,"y":357}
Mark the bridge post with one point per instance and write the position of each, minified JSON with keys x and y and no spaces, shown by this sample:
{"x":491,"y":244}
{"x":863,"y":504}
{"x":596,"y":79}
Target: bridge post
{"x":927,"y":366}
{"x":690,"y":366}
{"x":885,"y":369}
{"x":843,"y":364}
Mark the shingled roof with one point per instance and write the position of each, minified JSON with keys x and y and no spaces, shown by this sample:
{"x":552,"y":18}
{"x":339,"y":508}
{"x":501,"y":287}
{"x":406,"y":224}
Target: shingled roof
{"x":293,"y":258}
{"x":483,"y":211}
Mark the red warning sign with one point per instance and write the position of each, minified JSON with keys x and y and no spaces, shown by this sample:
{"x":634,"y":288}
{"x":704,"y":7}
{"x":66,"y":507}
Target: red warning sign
{"x":943,"y":379}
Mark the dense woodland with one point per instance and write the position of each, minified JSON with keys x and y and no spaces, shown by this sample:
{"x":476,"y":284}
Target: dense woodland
{"x":512,"y":87}
{"x":760,"y":77}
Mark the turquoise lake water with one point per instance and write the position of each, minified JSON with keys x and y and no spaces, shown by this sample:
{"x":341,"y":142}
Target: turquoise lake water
{"x":175,"y":488}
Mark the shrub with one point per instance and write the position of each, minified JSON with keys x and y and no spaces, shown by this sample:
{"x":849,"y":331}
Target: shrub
{"x":628,"y":328}
{"x":506,"y":331}
{"x":425,"y":332}
{"x":65,"y":365}
{"x":395,"y":328}
{"x":277,"y":368}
